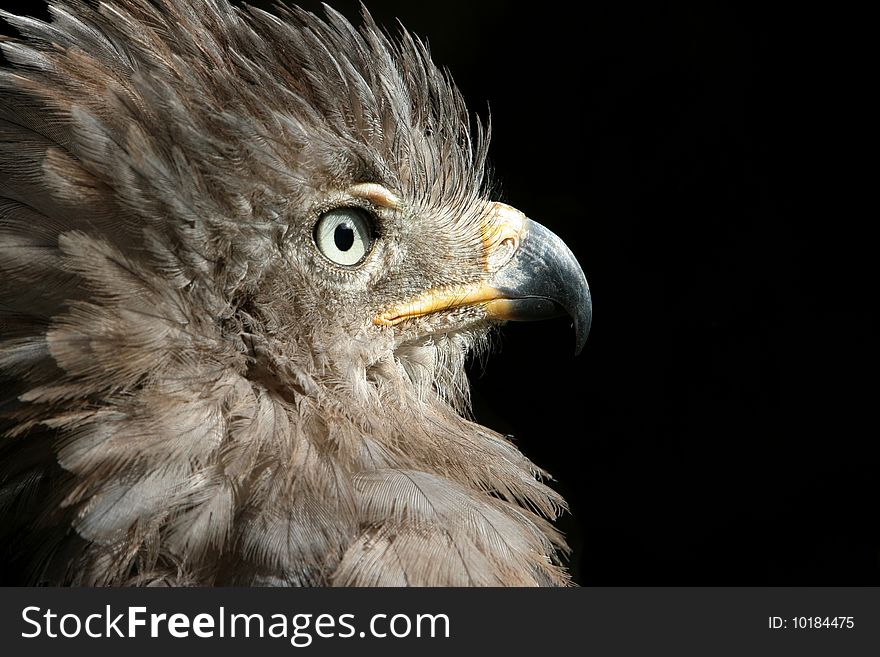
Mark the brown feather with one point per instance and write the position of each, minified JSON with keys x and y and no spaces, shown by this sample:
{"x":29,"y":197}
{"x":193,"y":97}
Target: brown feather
{"x":190,"y":394}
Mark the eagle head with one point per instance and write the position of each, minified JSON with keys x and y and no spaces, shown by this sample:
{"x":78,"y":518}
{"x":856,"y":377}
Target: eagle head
{"x":244,"y":260}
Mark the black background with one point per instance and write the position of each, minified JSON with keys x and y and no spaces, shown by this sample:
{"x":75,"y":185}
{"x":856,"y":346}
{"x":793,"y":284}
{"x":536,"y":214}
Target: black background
{"x":702,"y":160}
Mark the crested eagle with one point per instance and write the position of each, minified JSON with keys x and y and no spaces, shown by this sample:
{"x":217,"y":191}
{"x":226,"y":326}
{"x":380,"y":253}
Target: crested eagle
{"x":244,"y":259}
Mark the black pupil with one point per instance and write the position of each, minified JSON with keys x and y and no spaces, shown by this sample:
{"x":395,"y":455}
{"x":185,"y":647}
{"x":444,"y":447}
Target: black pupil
{"x":343,"y":236}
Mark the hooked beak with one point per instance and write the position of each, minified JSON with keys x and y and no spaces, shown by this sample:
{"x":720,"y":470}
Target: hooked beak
{"x":532,"y":275}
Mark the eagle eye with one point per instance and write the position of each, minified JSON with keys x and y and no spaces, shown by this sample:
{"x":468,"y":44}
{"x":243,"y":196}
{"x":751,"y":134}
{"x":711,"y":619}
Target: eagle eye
{"x":344,"y":235}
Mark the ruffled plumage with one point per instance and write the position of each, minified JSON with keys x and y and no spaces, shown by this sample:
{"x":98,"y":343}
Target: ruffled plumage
{"x":185,"y":396}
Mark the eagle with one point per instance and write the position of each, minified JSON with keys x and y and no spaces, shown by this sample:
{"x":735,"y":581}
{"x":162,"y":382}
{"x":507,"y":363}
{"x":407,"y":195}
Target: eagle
{"x":244,"y":260}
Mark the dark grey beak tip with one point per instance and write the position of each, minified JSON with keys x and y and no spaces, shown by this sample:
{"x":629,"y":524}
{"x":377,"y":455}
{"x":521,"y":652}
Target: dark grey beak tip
{"x":582,"y":322}
{"x":544,"y":280}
